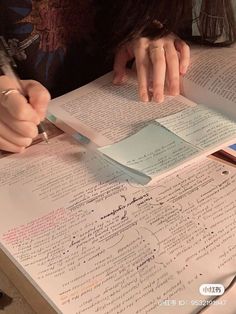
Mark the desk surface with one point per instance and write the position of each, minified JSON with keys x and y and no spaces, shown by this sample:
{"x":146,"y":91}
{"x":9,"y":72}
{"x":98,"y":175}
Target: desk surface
{"x":18,"y":304}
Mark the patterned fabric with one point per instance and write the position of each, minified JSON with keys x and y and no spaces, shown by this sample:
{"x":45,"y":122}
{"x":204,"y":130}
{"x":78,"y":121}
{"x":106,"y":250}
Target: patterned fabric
{"x":53,"y":41}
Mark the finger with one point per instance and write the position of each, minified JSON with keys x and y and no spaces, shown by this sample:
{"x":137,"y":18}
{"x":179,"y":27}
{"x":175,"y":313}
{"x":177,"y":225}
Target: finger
{"x":184,"y":55}
{"x":121,"y":59}
{"x":157,"y":56}
{"x":172,"y":61}
{"x":10,"y":147}
{"x":142,"y":65}
{"x":38,"y":95}
{"x":24,"y":128}
{"x":6,"y":82}
{"x":13,"y":137}
{"x":18,"y":107}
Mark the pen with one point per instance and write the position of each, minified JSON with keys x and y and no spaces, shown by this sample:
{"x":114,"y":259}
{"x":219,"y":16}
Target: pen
{"x":6,"y":63}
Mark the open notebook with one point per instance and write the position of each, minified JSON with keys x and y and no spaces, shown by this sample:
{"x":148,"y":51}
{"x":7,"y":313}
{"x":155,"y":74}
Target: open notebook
{"x":93,"y":241}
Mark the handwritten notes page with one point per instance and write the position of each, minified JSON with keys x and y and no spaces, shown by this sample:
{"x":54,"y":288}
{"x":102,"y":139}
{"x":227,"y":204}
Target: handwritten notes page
{"x":106,"y":113}
{"x":93,"y":241}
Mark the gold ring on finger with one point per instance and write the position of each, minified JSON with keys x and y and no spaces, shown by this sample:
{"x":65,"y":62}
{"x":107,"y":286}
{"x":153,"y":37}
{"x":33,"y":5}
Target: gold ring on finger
{"x":151,"y":48}
{"x":5,"y":93}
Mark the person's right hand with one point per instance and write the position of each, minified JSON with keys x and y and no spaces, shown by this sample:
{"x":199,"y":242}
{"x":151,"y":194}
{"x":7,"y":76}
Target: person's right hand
{"x":19,"y":117}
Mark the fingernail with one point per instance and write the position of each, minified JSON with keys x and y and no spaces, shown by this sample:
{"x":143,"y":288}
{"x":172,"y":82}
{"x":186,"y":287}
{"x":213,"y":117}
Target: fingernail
{"x":115,"y":80}
{"x":38,"y":119}
{"x":42,"y":114}
{"x":30,"y":142}
{"x":158,"y":98}
{"x":183,"y":69}
{"x":119,"y":79}
{"x":22,"y":150}
{"x":174,"y":92}
{"x":144,"y":97}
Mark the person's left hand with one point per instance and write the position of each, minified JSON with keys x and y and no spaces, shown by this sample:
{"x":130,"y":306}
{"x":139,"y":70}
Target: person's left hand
{"x":158,"y":61}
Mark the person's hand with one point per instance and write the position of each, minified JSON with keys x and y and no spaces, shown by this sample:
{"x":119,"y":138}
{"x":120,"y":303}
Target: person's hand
{"x":18,"y":117}
{"x":158,"y":62}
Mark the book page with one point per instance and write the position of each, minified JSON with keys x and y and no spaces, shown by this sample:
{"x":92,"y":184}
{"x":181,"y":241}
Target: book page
{"x":201,"y":126}
{"x":106,"y":113}
{"x":93,"y":241}
{"x":211,"y":79}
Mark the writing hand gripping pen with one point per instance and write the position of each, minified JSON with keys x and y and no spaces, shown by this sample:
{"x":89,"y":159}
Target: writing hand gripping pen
{"x":7,"y":69}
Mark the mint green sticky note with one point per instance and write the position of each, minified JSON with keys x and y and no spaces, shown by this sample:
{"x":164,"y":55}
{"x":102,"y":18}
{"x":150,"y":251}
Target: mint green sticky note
{"x":51,"y":118}
{"x":80,"y":138}
{"x":151,"y":151}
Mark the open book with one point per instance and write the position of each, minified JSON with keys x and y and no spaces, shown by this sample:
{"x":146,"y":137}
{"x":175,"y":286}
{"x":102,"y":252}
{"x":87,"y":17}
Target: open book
{"x":149,"y":139}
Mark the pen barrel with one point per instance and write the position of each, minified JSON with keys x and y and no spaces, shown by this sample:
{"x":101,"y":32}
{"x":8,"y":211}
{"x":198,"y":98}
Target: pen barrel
{"x":7,"y":70}
{"x":40,"y":128}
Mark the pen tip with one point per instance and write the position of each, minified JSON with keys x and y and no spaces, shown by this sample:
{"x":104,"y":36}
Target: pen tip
{"x":45,"y":137}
